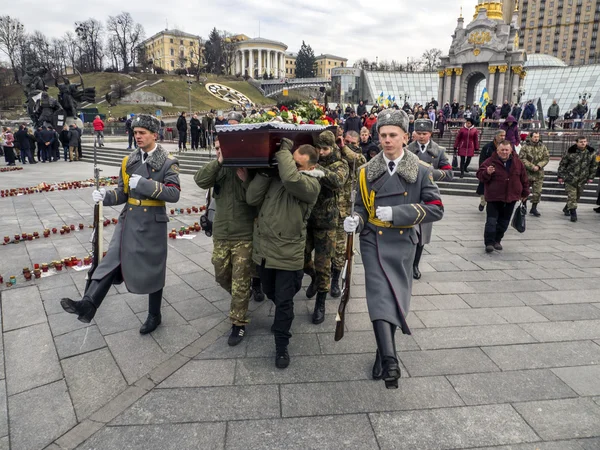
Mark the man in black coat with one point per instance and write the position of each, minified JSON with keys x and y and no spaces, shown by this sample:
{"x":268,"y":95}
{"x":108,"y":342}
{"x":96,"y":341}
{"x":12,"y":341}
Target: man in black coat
{"x":182,"y":131}
{"x":454,"y":107}
{"x":47,"y":138}
{"x":22,"y":139}
{"x":195,"y":131}
{"x":505,"y":110}
{"x":361,"y":109}
{"x":37,"y":134}
{"x":352,"y":123}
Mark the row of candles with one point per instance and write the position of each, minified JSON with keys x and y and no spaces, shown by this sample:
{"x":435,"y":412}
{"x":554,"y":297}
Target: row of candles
{"x":66,"y":229}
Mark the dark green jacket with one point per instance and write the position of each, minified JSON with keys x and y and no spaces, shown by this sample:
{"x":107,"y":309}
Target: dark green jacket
{"x":325,"y":213}
{"x":285,"y":201}
{"x":234,"y":218}
{"x":578,"y":166}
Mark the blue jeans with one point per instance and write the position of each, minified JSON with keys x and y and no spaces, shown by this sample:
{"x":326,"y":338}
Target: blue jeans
{"x":66,"y":152}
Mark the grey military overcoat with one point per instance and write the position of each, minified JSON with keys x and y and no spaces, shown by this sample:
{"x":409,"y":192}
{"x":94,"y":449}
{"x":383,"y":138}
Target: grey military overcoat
{"x":442,"y":171}
{"x":388,"y":252}
{"x":139,"y":242}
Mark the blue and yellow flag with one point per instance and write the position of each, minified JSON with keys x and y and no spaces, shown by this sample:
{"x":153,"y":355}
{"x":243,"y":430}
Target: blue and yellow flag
{"x":388,"y":101}
{"x":484,"y":101}
{"x":380,"y":98}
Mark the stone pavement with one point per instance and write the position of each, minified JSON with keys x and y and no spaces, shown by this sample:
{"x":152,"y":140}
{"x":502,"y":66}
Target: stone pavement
{"x":505,"y":350}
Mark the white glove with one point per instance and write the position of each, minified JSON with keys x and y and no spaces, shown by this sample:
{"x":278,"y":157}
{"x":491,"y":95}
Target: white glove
{"x":384,"y":213}
{"x":98,"y":196}
{"x":133,"y":181}
{"x":351,"y":224}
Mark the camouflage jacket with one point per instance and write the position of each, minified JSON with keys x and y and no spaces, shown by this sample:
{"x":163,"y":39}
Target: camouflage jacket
{"x":325,"y":213}
{"x":578,"y":166}
{"x":534,"y":154}
{"x":355,"y":160}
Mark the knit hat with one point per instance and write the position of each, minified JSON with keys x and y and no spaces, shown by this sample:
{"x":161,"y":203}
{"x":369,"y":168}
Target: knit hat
{"x":235,"y":115}
{"x":146,"y":121}
{"x":325,"y":139}
{"x":395,"y":117}
{"x":424,"y":125}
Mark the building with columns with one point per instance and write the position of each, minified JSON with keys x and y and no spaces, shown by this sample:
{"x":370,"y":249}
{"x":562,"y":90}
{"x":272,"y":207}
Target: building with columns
{"x":259,"y":56}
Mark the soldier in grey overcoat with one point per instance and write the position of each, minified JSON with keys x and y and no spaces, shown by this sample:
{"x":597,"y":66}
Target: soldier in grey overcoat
{"x":431,"y":153}
{"x":397,"y":193}
{"x":137,"y":254}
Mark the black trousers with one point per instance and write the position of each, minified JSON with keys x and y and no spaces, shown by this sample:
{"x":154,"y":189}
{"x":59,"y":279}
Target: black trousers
{"x":551,"y":121}
{"x":195,"y":138}
{"x":281,"y":286}
{"x":182,"y":139}
{"x":464,"y":162}
{"x":26,"y":154}
{"x":202,"y":138}
{"x":497,"y":221}
{"x":9,"y":155}
{"x":130,"y":139}
{"x":96,"y":290}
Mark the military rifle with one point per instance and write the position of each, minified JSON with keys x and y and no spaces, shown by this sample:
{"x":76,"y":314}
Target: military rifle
{"x":97,"y":234}
{"x":346,"y":275}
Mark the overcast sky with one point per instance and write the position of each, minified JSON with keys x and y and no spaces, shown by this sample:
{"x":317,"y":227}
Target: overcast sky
{"x":389,"y":29}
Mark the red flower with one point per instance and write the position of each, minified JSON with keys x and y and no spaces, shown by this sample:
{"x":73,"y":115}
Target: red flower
{"x":283,"y":108}
{"x":330,"y":120}
{"x":311,"y":122}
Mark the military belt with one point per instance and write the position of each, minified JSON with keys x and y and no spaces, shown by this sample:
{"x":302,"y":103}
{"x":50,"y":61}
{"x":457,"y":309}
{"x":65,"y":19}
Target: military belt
{"x":138,"y":202}
{"x":380,"y":223}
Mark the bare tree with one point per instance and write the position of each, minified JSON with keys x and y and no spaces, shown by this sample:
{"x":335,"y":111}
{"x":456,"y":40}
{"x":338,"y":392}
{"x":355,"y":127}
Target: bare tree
{"x":90,"y":34}
{"x":128,"y":35}
{"x":197,"y":60}
{"x":362,"y":63}
{"x":228,"y":51}
{"x":112,"y":50}
{"x":71,"y":49}
{"x":12,"y":38}
{"x":431,"y":59}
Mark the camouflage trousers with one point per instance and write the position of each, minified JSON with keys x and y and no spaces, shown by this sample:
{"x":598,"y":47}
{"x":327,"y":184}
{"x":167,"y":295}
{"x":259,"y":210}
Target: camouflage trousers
{"x":340,"y":246}
{"x":323,"y":243}
{"x":234,"y":270}
{"x":535,"y":185}
{"x":573,"y":194}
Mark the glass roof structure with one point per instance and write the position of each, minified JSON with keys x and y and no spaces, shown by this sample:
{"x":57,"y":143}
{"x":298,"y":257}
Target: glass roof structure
{"x":419,"y":86}
{"x":539,"y":60}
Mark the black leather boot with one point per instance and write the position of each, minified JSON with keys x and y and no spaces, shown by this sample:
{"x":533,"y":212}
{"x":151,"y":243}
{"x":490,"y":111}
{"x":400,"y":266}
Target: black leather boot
{"x":282,"y":357}
{"x":377,"y":367}
{"x":319,"y":312}
{"x":418,"y":253}
{"x":151,"y":323}
{"x":573,"y":213}
{"x":311,"y":290}
{"x":154,"y":318}
{"x":566,"y":211}
{"x":257,"y":292}
{"x":534,"y":210}
{"x":335,"y":283}
{"x":384,"y":335}
{"x":91,"y":301}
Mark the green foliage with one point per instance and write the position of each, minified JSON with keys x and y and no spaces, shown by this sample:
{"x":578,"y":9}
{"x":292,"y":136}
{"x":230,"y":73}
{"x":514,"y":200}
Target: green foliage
{"x":214,"y":53}
{"x":305,"y":62}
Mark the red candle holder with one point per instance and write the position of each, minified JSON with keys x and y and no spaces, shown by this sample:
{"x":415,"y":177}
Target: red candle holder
{"x":44,"y":267}
{"x":6,"y":239}
{"x":54,"y":230}
{"x":36,"y":234}
{"x":30,"y":237}
{"x":115,"y":220}
{"x":36,"y":266}
{"x":62,"y":231}
{"x":81,"y":226}
{"x":24,"y":236}
{"x":189,"y":210}
{"x":37,"y":273}
{"x":72,"y":227}
{"x":58,"y":266}
{"x":172,"y":211}
{"x":27,"y":276}
{"x":17,"y":237}
{"x":187,"y":231}
{"x":180,"y":232}
{"x":1,"y":279}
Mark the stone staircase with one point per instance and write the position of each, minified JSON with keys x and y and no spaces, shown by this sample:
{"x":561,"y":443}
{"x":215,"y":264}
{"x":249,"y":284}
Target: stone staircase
{"x":191,"y":161}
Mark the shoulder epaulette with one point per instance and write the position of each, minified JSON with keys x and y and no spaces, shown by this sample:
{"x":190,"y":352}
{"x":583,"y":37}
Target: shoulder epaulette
{"x":423,"y":163}
{"x":171,"y":156}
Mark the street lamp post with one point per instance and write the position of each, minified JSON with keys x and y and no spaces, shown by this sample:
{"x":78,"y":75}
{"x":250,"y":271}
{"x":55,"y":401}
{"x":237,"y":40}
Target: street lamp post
{"x":190,"y":95}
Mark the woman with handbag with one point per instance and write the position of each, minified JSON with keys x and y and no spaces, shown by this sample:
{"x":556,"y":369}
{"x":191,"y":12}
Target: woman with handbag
{"x":466,"y":144}
{"x":505,"y":182}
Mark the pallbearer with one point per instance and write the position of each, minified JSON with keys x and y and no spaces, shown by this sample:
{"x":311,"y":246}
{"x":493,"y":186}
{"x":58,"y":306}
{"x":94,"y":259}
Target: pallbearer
{"x":137,"y":253}
{"x":397,"y":193}
{"x":431,"y":153}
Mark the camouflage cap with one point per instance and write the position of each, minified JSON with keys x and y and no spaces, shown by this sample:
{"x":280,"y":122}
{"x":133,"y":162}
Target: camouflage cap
{"x":394,"y":117}
{"x":146,"y":121}
{"x":235,"y":115}
{"x":424,"y":125}
{"x":325,"y":139}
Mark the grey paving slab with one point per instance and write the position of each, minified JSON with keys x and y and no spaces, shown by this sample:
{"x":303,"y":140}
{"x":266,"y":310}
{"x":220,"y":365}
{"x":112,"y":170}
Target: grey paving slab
{"x":79,"y":341}
{"x":262,"y":346}
{"x":452,"y":287}
{"x":506,"y":387}
{"x":22,"y":307}
{"x":589,"y":444}
{"x":195,"y":308}
{"x":312,"y":399}
{"x":519,"y":314}
{"x":446,"y":362}
{"x":583,"y":380}
{"x":3,"y":409}
{"x":564,"y":331}
{"x":200,"y":280}
{"x":220,"y":350}
{"x":473,"y":336}
{"x":545,"y":355}
{"x":205,"y":324}
{"x":63,"y":322}
{"x":51,"y":297}
{"x":451,"y":428}
{"x":451,"y":301}
{"x":172,"y":339}
{"x":556,"y":445}
{"x":135,"y":354}
{"x":39,"y":416}
{"x":202,"y":374}
{"x":212,"y":404}
{"x":115,"y":316}
{"x":484,"y":287}
{"x":305,"y":369}
{"x":360,"y":342}
{"x":184,"y":436}
{"x":562,"y":419}
{"x":565,"y":296}
{"x":93,"y":379}
{"x":179,"y":292}
{"x":569,"y":312}
{"x":328,"y":432}
{"x":30,"y":358}
{"x":459,"y":318}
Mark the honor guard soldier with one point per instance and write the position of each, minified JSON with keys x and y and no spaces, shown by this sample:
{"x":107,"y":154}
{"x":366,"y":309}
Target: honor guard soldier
{"x":232,"y":234}
{"x":137,"y":254}
{"x":430,"y":153}
{"x":397,"y":193}
{"x":322,"y":223}
{"x":352,"y":154}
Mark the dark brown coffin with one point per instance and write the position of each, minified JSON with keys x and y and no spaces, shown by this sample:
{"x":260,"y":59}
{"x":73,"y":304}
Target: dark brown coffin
{"x":254,"y":145}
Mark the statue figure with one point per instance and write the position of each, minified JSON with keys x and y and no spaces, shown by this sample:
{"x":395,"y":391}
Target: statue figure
{"x":69,"y":95}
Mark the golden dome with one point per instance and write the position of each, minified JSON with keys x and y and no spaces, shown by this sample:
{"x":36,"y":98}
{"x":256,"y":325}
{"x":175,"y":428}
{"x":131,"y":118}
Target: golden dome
{"x":494,"y":9}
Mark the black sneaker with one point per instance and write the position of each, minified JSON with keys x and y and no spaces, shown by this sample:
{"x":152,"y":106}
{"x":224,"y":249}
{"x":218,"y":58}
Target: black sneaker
{"x":597,"y":210}
{"x":282,"y":357}
{"x":236,"y":336}
{"x":481,"y":207}
{"x":489,"y":248}
{"x":498,"y":246}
